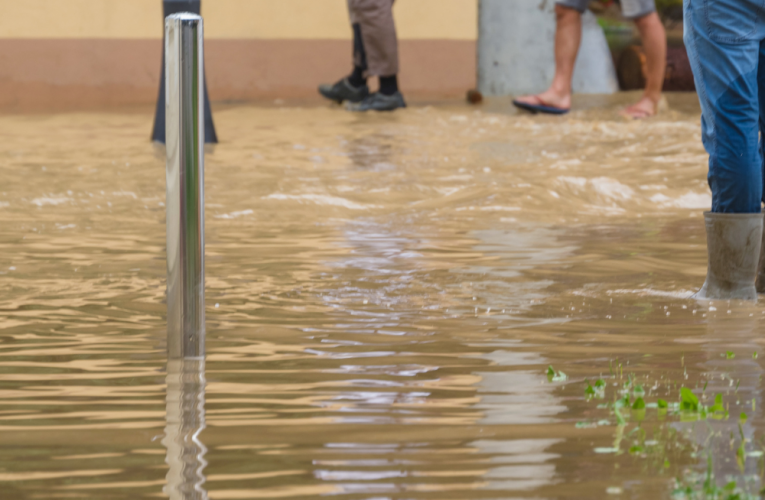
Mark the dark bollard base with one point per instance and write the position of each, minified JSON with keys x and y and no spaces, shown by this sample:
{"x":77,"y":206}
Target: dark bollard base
{"x":158,"y":134}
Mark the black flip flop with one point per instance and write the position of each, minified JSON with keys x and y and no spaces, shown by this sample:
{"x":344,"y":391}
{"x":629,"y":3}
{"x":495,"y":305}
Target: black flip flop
{"x":540,"y":108}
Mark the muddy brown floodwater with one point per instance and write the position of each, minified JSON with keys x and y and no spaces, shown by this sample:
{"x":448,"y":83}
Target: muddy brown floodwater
{"x":385,"y":296}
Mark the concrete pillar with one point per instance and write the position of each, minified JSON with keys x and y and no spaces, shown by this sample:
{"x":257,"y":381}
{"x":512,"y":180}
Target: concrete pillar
{"x":516,"y":50}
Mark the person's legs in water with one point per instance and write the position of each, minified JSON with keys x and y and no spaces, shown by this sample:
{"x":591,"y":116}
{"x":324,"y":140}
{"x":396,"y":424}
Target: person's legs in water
{"x":655,"y":45}
{"x":568,"y":37}
{"x":378,"y":32}
{"x":723,"y":39}
{"x":352,"y":88}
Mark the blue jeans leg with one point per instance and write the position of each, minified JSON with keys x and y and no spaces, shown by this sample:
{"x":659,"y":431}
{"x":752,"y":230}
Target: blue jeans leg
{"x":727,"y":76}
{"x":761,"y":85}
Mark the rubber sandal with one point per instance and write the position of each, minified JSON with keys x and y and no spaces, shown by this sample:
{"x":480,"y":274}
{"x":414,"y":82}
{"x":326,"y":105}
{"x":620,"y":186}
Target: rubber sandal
{"x":540,"y":108}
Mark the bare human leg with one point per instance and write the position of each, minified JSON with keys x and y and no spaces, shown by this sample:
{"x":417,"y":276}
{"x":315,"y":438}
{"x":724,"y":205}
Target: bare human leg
{"x":568,"y":36}
{"x":655,"y":45}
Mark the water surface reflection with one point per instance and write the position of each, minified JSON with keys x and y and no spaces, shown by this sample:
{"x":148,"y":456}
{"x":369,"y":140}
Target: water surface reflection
{"x":385,"y":296}
{"x":185,"y":422}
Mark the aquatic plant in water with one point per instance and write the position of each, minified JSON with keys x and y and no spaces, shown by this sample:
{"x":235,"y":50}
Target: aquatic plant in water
{"x":555,"y":376}
{"x":704,"y":487}
{"x":629,"y":406}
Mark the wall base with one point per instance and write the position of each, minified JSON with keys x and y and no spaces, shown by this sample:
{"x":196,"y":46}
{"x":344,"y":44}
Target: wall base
{"x":90,"y":74}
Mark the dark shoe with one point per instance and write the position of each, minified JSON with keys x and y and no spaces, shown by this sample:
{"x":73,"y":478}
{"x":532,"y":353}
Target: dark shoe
{"x":380,"y":102}
{"x":344,"y":91}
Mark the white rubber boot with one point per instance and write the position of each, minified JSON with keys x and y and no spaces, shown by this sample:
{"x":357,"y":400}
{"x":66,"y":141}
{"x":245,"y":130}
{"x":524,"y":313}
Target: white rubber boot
{"x":734,"y":242}
{"x":761,"y":268}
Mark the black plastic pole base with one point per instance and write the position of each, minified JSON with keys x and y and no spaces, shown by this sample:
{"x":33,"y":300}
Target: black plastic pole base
{"x":158,"y":134}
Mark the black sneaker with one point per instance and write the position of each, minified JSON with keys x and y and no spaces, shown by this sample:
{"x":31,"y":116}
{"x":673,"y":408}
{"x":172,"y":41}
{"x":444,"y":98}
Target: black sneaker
{"x":344,"y":91}
{"x":380,"y":102}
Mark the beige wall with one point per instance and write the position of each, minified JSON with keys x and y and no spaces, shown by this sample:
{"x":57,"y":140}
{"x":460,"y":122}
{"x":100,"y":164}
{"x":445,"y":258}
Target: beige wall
{"x":75,"y":54}
{"x":229,"y":19}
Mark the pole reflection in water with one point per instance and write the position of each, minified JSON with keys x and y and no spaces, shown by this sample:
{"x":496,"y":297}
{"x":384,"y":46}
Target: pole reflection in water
{"x":185,"y":422}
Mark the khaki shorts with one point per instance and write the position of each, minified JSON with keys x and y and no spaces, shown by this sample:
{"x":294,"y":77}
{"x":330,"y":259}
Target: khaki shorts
{"x":632,"y":9}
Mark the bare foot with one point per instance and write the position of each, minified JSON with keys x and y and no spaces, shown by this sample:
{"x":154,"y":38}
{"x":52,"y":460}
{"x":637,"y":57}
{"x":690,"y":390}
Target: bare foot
{"x":644,"y":108}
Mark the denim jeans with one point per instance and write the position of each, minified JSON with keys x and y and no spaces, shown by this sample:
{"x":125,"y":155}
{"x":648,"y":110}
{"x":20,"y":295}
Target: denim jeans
{"x":725,"y":40}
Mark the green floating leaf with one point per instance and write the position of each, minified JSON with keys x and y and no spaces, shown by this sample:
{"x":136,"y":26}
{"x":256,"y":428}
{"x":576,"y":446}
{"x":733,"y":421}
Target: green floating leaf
{"x":553,"y":376}
{"x":594,"y":392}
{"x":600,"y":384}
{"x":639,"y":404}
{"x":662,"y":404}
{"x":730,"y":355}
{"x":688,"y":400}
{"x":623,"y":402}
{"x":743,"y":418}
{"x":755,"y":355}
{"x":636,"y":449}
{"x":718,"y":406}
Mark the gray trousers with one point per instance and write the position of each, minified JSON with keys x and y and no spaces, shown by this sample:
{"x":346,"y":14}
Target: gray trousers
{"x":378,"y":32}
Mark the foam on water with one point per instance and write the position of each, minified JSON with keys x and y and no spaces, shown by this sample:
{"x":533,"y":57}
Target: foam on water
{"x":320,"y":199}
{"x":688,"y":200}
{"x":46,"y":200}
{"x":234,"y":215}
{"x":611,"y":188}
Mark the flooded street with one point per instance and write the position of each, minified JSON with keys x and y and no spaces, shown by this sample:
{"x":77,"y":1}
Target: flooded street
{"x":447,"y":302}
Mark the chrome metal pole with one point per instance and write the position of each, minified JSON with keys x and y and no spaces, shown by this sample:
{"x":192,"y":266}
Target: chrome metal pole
{"x":158,"y":132}
{"x":184,"y":73}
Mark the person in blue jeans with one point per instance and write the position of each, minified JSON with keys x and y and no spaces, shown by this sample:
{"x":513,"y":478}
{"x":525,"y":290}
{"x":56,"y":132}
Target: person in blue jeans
{"x":725,"y":40}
